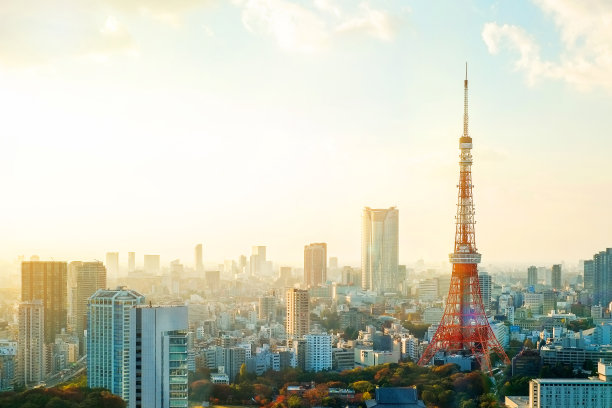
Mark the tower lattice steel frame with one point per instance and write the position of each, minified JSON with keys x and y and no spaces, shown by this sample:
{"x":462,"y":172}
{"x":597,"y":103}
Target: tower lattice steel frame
{"x":464,"y":328}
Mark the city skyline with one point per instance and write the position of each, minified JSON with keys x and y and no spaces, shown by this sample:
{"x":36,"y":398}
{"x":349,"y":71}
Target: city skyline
{"x":169,"y":146}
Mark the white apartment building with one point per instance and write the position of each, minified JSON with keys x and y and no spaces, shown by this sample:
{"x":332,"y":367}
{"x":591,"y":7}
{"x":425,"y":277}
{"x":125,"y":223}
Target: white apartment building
{"x":318,"y":352}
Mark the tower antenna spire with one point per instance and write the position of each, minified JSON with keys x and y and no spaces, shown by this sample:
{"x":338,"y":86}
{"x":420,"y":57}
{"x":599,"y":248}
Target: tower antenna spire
{"x":465,"y":104}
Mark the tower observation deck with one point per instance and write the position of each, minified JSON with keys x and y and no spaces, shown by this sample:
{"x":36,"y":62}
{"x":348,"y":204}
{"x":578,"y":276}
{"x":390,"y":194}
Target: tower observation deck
{"x":464,"y":328}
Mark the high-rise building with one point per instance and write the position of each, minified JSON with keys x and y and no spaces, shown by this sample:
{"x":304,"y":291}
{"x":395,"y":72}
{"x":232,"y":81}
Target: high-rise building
{"x":47,"y":281}
{"x":84,"y":279}
{"x":333,"y":262}
{"x":484,"y":280}
{"x":298,"y":313}
{"x":199,"y":259}
{"x":231,"y":359}
{"x":31,"y":355}
{"x":549,"y":303}
{"x":379,"y":249}
{"x":131,"y":262}
{"x":152,"y":264}
{"x":315,"y":264}
{"x":285,"y":274}
{"x":112,"y":265}
{"x":257,"y":262}
{"x":532,"y":276}
{"x":158,"y":357}
{"x":267,"y":308}
{"x":318,"y":352}
{"x":8,"y":360}
{"x":589,"y":275}
{"x":213,"y":280}
{"x":602,"y":277}
{"x":108,"y":339}
{"x":556,"y":277}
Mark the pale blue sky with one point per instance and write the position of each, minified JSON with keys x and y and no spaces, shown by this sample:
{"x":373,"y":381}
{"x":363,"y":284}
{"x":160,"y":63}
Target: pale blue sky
{"x":150,"y":126}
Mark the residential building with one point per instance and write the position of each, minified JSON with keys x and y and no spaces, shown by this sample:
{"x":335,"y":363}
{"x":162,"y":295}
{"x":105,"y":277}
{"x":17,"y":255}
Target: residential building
{"x":602,"y":277}
{"x":152,"y":265}
{"x":84,"y":279}
{"x":379,"y":249}
{"x":267,"y":308}
{"x":532,"y":276}
{"x":109,"y":333}
{"x":112,"y":265}
{"x":484,"y":280}
{"x":47,"y":282}
{"x":158,"y":357}
{"x":315,"y":264}
{"x":318,"y":352}
{"x":298,"y":313}
{"x":199,"y":259}
{"x":557,"y":283}
{"x":32,"y":362}
{"x":8,"y":356}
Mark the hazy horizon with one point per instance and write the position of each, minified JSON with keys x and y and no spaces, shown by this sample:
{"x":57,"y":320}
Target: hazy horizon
{"x":274,"y":122}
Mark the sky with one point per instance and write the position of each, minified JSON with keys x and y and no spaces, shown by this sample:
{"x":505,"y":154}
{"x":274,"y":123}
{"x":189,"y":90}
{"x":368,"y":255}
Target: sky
{"x":151,"y":126}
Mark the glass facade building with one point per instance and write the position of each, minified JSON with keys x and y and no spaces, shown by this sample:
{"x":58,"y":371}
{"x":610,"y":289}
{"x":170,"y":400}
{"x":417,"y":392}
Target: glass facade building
{"x":379,"y":249}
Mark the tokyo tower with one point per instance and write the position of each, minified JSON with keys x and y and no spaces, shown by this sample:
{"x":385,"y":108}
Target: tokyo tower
{"x":464,"y":328}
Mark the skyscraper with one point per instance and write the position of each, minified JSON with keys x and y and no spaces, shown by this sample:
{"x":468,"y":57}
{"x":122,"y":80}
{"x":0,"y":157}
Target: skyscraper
{"x":267,"y":308}
{"x":532,"y":276}
{"x":31,"y":349}
{"x":199,"y":259}
{"x":84,"y":279}
{"x":158,"y":357}
{"x":315,"y":264}
{"x":379,"y":249}
{"x":131,"y":262}
{"x":298,"y":313}
{"x":108,"y":339}
{"x":257,"y":262}
{"x":589,"y":275}
{"x":556,"y":277}
{"x":484,"y":280}
{"x":152,"y":264}
{"x":46,"y":281}
{"x":602,"y":277}
{"x":112,"y":265}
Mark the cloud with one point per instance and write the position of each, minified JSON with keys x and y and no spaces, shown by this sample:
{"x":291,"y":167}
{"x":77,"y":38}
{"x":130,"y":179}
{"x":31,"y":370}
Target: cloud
{"x":296,"y":27}
{"x":377,"y":23}
{"x":585,"y":32}
{"x":37,"y":31}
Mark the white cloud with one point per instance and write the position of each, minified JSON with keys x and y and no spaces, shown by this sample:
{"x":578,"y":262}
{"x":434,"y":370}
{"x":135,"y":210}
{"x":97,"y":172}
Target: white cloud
{"x":296,"y":27}
{"x":36,"y":31}
{"x":585,"y":30}
{"x":377,"y":23}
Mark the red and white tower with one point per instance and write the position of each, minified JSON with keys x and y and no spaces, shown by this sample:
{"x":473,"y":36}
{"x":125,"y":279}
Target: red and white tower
{"x":464,"y":328}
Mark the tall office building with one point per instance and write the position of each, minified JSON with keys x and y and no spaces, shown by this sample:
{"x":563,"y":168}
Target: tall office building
{"x":231,"y":359}
{"x":484,"y":280}
{"x":152,"y":264}
{"x":84,"y":279}
{"x":112,"y":265}
{"x":258,"y":262}
{"x":549,"y":302}
{"x":47,"y":281}
{"x":602,"y":277}
{"x":379,"y":249}
{"x":315,"y":264}
{"x":199,"y":259}
{"x":131,"y":262}
{"x":532,"y":276}
{"x":31,"y":349}
{"x":158,"y":357}
{"x":589,"y":275}
{"x":298,"y":314}
{"x":556,"y":277}
{"x":109,"y":339}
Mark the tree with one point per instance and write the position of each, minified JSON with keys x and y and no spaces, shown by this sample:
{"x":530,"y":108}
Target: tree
{"x":294,"y":402}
